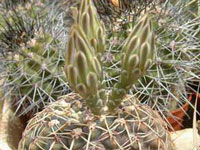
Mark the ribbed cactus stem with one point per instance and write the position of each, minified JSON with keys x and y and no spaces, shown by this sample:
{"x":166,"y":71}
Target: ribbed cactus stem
{"x":83,"y":65}
{"x":137,"y":56}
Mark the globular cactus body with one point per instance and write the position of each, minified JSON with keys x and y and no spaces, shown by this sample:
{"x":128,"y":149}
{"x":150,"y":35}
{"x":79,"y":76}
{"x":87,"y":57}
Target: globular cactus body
{"x":68,"y":124}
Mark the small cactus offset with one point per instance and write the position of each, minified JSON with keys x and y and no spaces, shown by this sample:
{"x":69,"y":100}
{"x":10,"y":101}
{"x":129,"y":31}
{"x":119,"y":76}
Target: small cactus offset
{"x":92,"y":118}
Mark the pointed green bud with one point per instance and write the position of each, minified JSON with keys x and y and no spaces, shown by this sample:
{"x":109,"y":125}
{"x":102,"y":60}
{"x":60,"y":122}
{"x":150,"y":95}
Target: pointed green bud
{"x":84,"y":51}
{"x":93,"y":43}
{"x":144,"y":54}
{"x":82,"y":66}
{"x":145,"y":20}
{"x":86,"y":23}
{"x":137,"y":28}
{"x":134,"y":32}
{"x":91,"y":24}
{"x":70,"y":51}
{"x":133,"y":62}
{"x":97,"y":66}
{"x":101,"y":40}
{"x":83,"y":6}
{"x":138,"y":53}
{"x":92,"y":82}
{"x":92,"y":20}
{"x":82,"y":46}
{"x":144,"y":34}
{"x":132,"y":46}
{"x":71,"y":75}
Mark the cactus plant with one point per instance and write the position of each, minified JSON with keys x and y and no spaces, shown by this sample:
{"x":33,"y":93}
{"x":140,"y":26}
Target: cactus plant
{"x":33,"y":50}
{"x":94,"y":118}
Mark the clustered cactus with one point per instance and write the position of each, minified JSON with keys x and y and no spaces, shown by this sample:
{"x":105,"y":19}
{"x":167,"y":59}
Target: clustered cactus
{"x":93,"y":118}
